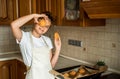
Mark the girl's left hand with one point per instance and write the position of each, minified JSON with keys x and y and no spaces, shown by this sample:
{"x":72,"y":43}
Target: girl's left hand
{"x":57,"y":42}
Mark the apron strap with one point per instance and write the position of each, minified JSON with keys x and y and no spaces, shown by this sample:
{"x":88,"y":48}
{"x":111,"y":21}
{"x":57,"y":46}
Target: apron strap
{"x":45,"y":41}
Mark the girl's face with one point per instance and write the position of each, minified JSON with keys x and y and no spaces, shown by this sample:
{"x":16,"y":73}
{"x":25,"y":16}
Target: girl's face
{"x":40,"y":29}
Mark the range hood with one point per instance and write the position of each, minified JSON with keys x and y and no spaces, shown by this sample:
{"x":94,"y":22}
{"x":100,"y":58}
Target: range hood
{"x":102,"y":9}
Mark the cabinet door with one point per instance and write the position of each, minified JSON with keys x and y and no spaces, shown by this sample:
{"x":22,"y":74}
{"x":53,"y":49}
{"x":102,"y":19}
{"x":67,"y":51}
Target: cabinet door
{"x":6,"y":11}
{"x":7,"y":70}
{"x":57,"y":8}
{"x":24,"y":7}
{"x":47,"y":5}
{"x":51,"y":6}
{"x":99,"y":9}
{"x":86,"y":21}
{"x":70,"y":13}
{"x":40,"y":6}
{"x":21,"y":69}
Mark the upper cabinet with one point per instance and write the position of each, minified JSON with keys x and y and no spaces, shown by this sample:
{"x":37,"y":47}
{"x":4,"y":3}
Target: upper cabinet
{"x":48,"y":5}
{"x":70,"y":13}
{"x":6,"y":11}
{"x":97,"y":9}
{"x":65,"y":12}
{"x":13,"y":9}
{"x":24,"y":7}
{"x":51,"y":5}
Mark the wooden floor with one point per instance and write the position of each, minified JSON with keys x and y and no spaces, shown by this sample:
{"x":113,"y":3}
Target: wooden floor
{"x":111,"y":76}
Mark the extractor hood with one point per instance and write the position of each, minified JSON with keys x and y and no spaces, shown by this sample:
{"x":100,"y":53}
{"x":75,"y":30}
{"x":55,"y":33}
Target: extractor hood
{"x":102,"y":9}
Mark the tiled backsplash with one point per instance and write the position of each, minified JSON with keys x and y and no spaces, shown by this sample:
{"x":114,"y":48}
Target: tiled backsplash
{"x":98,"y":43}
{"x":7,"y":41}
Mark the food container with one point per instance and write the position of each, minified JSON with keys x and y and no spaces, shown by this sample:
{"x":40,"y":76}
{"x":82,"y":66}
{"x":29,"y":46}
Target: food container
{"x":77,"y":72}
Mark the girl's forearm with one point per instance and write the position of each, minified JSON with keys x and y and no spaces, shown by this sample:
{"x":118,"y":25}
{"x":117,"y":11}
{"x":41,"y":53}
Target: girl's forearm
{"x":22,"y":20}
{"x":54,"y":58}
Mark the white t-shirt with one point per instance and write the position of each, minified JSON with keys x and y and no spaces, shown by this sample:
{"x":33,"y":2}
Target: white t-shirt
{"x":25,"y":45}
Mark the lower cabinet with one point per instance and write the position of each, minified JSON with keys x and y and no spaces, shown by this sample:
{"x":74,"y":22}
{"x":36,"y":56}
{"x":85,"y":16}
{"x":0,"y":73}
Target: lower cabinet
{"x":12,"y":69}
{"x":21,"y":69}
{"x":7,"y":69}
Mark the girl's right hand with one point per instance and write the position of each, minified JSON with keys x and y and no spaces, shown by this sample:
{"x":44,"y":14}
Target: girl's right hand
{"x":36,"y":16}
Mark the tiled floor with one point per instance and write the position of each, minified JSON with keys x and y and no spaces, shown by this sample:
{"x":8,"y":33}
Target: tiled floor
{"x":111,"y":76}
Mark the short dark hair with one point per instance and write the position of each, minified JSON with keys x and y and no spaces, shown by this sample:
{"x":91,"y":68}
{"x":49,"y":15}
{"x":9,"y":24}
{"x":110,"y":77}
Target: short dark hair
{"x":49,"y":14}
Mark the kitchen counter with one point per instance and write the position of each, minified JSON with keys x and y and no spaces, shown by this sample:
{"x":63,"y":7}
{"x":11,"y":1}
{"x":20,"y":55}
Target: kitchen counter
{"x":11,"y":56}
{"x":17,"y":55}
{"x":62,"y":62}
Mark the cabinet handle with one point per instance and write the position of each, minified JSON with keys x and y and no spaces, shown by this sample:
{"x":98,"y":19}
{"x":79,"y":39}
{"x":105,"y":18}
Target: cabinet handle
{"x":25,"y":73}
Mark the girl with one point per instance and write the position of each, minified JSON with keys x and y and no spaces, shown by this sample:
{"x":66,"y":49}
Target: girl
{"x":36,"y":48}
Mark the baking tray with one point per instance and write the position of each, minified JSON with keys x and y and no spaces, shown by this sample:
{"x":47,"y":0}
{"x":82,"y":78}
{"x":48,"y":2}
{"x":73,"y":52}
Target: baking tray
{"x":90,"y":73}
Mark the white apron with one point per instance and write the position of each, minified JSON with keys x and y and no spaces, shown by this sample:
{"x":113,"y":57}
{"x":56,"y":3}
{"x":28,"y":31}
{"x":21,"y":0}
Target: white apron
{"x":41,"y":65}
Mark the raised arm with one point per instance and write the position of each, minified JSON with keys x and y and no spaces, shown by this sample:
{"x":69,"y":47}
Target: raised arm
{"x":16,"y":24}
{"x":54,"y":58}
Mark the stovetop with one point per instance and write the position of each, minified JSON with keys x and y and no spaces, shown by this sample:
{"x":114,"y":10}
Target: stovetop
{"x":111,"y":76}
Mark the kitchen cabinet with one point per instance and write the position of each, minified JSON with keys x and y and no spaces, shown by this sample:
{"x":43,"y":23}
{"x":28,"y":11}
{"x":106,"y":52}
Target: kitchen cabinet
{"x":47,"y":5}
{"x":70,"y":13}
{"x":65,"y":12}
{"x":51,"y":6}
{"x":12,"y":69}
{"x":13,"y":9}
{"x":6,"y":11}
{"x":21,"y":69}
{"x":65,"y":16}
{"x":24,"y":7}
{"x":7,"y":69}
{"x":86,"y":21}
{"x":102,"y":9}
{"x":41,"y":6}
